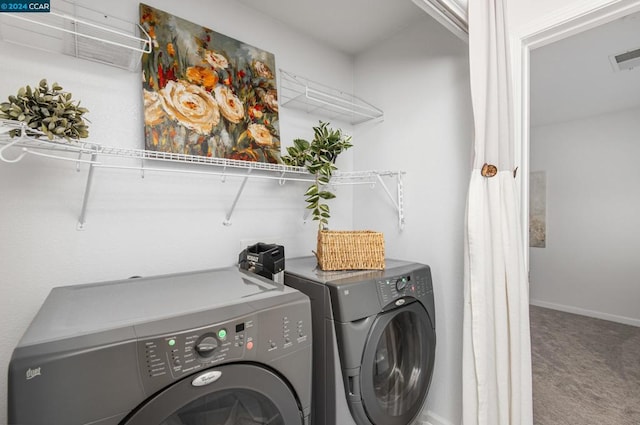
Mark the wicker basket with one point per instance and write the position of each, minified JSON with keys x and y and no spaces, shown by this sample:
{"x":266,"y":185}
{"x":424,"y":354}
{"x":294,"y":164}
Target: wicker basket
{"x":350,"y":250}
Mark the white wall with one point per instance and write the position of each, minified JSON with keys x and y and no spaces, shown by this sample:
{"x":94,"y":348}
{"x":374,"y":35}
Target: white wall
{"x":420,"y":79}
{"x":590,"y":263}
{"x":159,"y":224}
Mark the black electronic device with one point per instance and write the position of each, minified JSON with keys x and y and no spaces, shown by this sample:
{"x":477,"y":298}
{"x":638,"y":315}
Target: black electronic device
{"x":264,"y":259}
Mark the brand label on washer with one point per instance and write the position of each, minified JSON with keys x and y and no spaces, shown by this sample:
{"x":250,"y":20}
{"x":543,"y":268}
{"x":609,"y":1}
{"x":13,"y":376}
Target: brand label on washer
{"x":32,"y":373}
{"x":399,"y":302}
{"x":206,"y":378}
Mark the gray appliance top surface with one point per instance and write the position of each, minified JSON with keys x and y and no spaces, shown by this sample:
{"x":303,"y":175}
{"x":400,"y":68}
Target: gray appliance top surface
{"x":307,"y":267}
{"x":82,"y":309}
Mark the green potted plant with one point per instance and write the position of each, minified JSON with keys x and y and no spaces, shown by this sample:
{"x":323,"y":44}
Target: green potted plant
{"x":46,"y":110}
{"x":318,"y":157}
{"x":336,"y":250}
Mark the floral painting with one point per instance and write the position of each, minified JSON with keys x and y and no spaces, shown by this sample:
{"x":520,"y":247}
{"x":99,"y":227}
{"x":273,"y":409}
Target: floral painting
{"x":538,"y":209}
{"x":207,"y":94}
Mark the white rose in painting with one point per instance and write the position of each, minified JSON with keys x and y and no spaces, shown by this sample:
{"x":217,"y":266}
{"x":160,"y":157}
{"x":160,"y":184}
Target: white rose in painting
{"x":230,"y":106}
{"x":262,"y":70}
{"x":260,"y":134}
{"x":190,"y":105}
{"x":153,"y":112}
{"x":270,"y":99}
{"x":216,"y":60}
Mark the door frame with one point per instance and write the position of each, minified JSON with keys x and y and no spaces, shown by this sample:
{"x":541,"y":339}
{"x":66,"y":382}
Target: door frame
{"x":564,"y":22}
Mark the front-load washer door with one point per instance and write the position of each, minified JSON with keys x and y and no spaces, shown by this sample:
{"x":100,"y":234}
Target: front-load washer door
{"x":397,"y":365}
{"x":237,"y":394}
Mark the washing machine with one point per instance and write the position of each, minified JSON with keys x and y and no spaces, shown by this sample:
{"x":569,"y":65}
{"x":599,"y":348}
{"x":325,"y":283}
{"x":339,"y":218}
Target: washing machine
{"x":211,"y":347}
{"x":373,"y":339}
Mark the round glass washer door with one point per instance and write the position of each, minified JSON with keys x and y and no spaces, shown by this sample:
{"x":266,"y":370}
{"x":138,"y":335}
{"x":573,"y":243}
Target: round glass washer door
{"x":397,"y":365}
{"x":243,"y":394}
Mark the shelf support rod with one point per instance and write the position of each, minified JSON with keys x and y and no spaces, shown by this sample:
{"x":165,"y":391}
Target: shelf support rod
{"x":227,"y":220}
{"x":87,"y":192}
{"x":400,"y":201}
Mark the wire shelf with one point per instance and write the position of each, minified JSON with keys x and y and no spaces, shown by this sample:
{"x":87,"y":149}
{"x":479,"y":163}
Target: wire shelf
{"x":78,"y":31}
{"x":31,"y":141}
{"x":301,"y":93}
{"x":18,"y":141}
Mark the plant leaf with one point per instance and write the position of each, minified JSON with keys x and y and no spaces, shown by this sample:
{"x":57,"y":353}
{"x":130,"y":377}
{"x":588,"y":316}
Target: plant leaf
{"x":326,"y":195}
{"x":301,"y":144}
{"x":313,"y":189}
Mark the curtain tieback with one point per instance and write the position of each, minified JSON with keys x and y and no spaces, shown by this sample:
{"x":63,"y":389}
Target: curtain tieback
{"x":489,"y":170}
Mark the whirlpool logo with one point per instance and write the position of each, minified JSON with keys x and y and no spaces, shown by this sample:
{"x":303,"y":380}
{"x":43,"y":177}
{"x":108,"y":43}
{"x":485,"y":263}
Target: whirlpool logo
{"x":32,"y":373}
{"x":206,"y":378}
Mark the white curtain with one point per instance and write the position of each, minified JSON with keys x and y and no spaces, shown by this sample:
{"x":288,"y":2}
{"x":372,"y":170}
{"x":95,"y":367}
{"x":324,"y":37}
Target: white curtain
{"x":496,"y":346}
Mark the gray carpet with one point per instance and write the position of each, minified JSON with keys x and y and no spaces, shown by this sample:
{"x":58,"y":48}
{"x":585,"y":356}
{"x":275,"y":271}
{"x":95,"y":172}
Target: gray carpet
{"x":585,"y":371}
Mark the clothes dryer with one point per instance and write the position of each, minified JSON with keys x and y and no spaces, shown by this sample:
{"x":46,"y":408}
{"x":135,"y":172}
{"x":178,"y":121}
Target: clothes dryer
{"x":210,"y":347}
{"x":373,"y":340}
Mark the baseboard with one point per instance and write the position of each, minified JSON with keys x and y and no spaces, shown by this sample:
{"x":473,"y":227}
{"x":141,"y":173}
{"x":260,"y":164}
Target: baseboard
{"x":430,"y":418}
{"x":584,"y":312}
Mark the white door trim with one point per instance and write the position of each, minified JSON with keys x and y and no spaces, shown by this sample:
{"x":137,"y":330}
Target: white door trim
{"x":578,"y":17}
{"x":452,"y":14}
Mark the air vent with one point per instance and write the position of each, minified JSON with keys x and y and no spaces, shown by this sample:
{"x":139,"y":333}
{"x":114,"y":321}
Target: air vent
{"x":625,"y":61}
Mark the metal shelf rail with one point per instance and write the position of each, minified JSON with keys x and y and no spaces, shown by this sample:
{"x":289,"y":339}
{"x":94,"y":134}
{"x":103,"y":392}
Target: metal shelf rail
{"x":301,"y":93}
{"x":31,"y":142}
{"x":81,"y":32}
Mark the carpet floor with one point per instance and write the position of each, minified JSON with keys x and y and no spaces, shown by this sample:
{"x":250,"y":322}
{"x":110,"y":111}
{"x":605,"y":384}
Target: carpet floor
{"x":586,"y":371}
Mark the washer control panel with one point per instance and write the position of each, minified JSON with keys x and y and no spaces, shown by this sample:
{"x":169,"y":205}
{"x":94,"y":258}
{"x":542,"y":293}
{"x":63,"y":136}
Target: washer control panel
{"x":186,"y":352}
{"x":394,"y":289}
{"x":261,"y":336}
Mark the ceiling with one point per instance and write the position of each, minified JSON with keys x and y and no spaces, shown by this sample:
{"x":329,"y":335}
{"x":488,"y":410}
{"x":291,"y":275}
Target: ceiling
{"x":350,"y":26}
{"x":573,"y":78}
{"x":570,"y":79}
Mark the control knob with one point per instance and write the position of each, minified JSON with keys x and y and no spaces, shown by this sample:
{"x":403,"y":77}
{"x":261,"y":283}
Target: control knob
{"x":401,"y":284}
{"x":206,"y":346}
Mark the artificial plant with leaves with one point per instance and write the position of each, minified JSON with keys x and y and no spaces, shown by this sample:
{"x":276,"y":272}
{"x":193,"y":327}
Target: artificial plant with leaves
{"x":48,"y":110}
{"x":318,"y":157}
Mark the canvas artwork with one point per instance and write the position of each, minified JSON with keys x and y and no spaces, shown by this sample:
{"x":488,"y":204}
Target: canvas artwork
{"x":207,"y":94}
{"x":538,"y":209}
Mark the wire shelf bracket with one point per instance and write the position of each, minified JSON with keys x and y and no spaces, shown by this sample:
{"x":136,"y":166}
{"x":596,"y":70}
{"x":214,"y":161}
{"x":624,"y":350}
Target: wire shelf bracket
{"x":376,"y":178}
